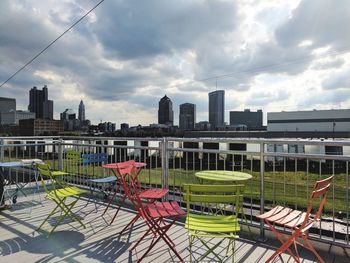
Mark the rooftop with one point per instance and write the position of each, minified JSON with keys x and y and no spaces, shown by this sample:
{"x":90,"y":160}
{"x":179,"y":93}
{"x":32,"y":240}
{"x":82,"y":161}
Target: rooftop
{"x":100,"y":242}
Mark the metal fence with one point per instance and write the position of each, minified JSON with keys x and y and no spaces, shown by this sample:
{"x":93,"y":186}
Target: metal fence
{"x":284,"y":171}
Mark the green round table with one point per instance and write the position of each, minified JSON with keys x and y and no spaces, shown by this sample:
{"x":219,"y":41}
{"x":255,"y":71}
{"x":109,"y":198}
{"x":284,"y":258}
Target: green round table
{"x":223,"y":176}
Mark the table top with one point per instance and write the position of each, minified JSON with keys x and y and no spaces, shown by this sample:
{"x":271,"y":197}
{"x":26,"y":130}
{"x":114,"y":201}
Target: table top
{"x":115,"y":165}
{"x":25,"y":162}
{"x":223,"y":176}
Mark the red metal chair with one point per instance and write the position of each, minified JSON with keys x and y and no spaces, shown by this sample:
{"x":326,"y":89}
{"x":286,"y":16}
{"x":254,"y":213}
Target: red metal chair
{"x":153,"y":214}
{"x":150,"y":195}
{"x":297,"y":221}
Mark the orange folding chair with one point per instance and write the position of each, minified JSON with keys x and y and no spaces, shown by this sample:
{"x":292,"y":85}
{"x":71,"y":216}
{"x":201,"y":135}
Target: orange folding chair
{"x":153,"y":214}
{"x":297,"y":221}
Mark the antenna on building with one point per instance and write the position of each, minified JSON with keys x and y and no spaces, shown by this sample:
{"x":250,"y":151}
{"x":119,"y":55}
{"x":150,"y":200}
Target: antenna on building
{"x":216,"y":84}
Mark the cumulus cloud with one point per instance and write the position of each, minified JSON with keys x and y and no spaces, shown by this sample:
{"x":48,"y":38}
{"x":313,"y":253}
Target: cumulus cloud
{"x":339,"y":80}
{"x":128,"y":54}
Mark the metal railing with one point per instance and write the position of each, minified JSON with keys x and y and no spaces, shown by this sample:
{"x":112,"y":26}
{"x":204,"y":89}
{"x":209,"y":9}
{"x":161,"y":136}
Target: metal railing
{"x":284,"y":171}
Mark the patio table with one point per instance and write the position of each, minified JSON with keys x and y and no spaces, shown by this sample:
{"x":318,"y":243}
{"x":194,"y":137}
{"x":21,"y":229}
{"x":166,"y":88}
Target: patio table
{"x":10,"y":165}
{"x":223,"y":176}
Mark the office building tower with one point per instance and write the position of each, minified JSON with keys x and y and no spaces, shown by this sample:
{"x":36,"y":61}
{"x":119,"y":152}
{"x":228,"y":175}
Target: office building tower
{"x":217,"y":109}
{"x":39,"y":103}
{"x":252,"y":120}
{"x":13,"y":117}
{"x":187,"y":116}
{"x":165,"y":111}
{"x":81,"y":112}
{"x":7,"y":104}
{"x":68,"y":114}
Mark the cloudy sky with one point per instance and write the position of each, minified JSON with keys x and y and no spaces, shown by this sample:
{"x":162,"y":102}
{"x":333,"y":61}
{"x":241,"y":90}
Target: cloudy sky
{"x":120,"y":60}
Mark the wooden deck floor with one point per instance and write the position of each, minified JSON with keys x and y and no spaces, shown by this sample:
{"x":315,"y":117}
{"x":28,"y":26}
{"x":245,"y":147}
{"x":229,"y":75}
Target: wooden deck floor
{"x":100,"y":242}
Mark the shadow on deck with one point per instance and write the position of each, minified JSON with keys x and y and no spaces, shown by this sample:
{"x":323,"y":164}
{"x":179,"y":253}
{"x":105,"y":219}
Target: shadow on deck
{"x":100,"y":242}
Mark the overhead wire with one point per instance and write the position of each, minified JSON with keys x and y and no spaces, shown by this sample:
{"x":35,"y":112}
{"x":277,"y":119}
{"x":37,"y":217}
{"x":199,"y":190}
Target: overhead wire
{"x":51,"y":43}
{"x":217,"y":77}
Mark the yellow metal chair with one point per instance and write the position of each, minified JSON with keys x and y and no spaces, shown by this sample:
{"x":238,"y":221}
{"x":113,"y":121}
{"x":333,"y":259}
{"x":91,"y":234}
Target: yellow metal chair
{"x":59,"y":193}
{"x":218,"y":218}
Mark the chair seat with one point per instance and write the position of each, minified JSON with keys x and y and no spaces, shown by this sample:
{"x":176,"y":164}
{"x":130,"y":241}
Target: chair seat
{"x":164,"y":209}
{"x":65,"y":192}
{"x":284,"y":216}
{"x":212,"y":223}
{"x":109,"y":179}
{"x":155,"y":193}
{"x":58,"y":173}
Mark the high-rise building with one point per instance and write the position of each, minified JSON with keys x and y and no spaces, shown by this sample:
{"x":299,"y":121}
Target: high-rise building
{"x":253,"y":120}
{"x":68,"y":114}
{"x":39,"y":103}
{"x":217,"y":109}
{"x":7,"y":104}
{"x":81,"y":112}
{"x":165,"y":111}
{"x":187,"y":116}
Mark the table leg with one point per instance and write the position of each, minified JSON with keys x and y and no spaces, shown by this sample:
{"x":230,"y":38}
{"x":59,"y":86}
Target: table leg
{"x":2,"y":201}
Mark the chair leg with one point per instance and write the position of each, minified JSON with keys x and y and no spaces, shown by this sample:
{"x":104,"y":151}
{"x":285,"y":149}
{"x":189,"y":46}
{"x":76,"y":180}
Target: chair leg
{"x":285,"y":246}
{"x":190,"y":241}
{"x":47,"y":218}
{"x":161,"y":233}
{"x":120,"y":205}
{"x":110,"y":200}
{"x":233,"y":250}
{"x":210,"y":250}
{"x":279,"y":237}
{"x":311,"y":247}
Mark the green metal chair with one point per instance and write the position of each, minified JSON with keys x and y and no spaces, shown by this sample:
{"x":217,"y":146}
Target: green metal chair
{"x":218,"y":217}
{"x":59,"y":193}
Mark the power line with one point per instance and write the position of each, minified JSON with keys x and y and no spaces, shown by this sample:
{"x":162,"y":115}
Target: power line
{"x":275,"y":66}
{"x":42,"y":51}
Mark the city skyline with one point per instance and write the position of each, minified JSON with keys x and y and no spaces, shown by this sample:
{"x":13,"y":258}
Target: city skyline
{"x":269,"y":55}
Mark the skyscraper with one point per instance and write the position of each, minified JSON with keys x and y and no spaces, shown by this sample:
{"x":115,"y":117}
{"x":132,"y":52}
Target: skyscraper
{"x":253,"y":120}
{"x":7,"y":104}
{"x":165,"y":111}
{"x":39,"y":103}
{"x":187,"y":116}
{"x":81,"y":111}
{"x":217,"y":108}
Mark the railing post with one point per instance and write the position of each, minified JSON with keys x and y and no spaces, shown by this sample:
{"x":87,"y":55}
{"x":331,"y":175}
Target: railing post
{"x":60,"y":155}
{"x":261,"y":237}
{"x":165,"y":163}
{"x":2,"y":150}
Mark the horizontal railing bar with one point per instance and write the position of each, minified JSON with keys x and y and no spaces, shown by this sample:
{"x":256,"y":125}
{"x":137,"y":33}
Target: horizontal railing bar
{"x":265,"y":141}
{"x":112,"y":146}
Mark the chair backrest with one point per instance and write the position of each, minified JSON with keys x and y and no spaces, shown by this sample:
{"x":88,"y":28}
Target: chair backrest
{"x":131,"y":189}
{"x":44,"y":171}
{"x":231,"y":195}
{"x":318,"y":194}
{"x":92,"y":158}
{"x":73,"y":155}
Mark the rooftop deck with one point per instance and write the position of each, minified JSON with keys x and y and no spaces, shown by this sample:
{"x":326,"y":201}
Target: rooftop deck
{"x":100,"y":242}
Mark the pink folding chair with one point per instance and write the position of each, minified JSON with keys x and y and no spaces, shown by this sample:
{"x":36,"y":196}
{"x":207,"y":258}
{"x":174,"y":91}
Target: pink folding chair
{"x":150,"y":195}
{"x":153,"y":214}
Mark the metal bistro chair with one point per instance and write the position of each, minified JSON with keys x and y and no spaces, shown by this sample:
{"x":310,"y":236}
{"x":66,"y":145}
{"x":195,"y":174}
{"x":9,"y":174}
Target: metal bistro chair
{"x":154,"y":215}
{"x":59,"y":193}
{"x":150,"y":195}
{"x":297,"y":221}
{"x":209,"y":223}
